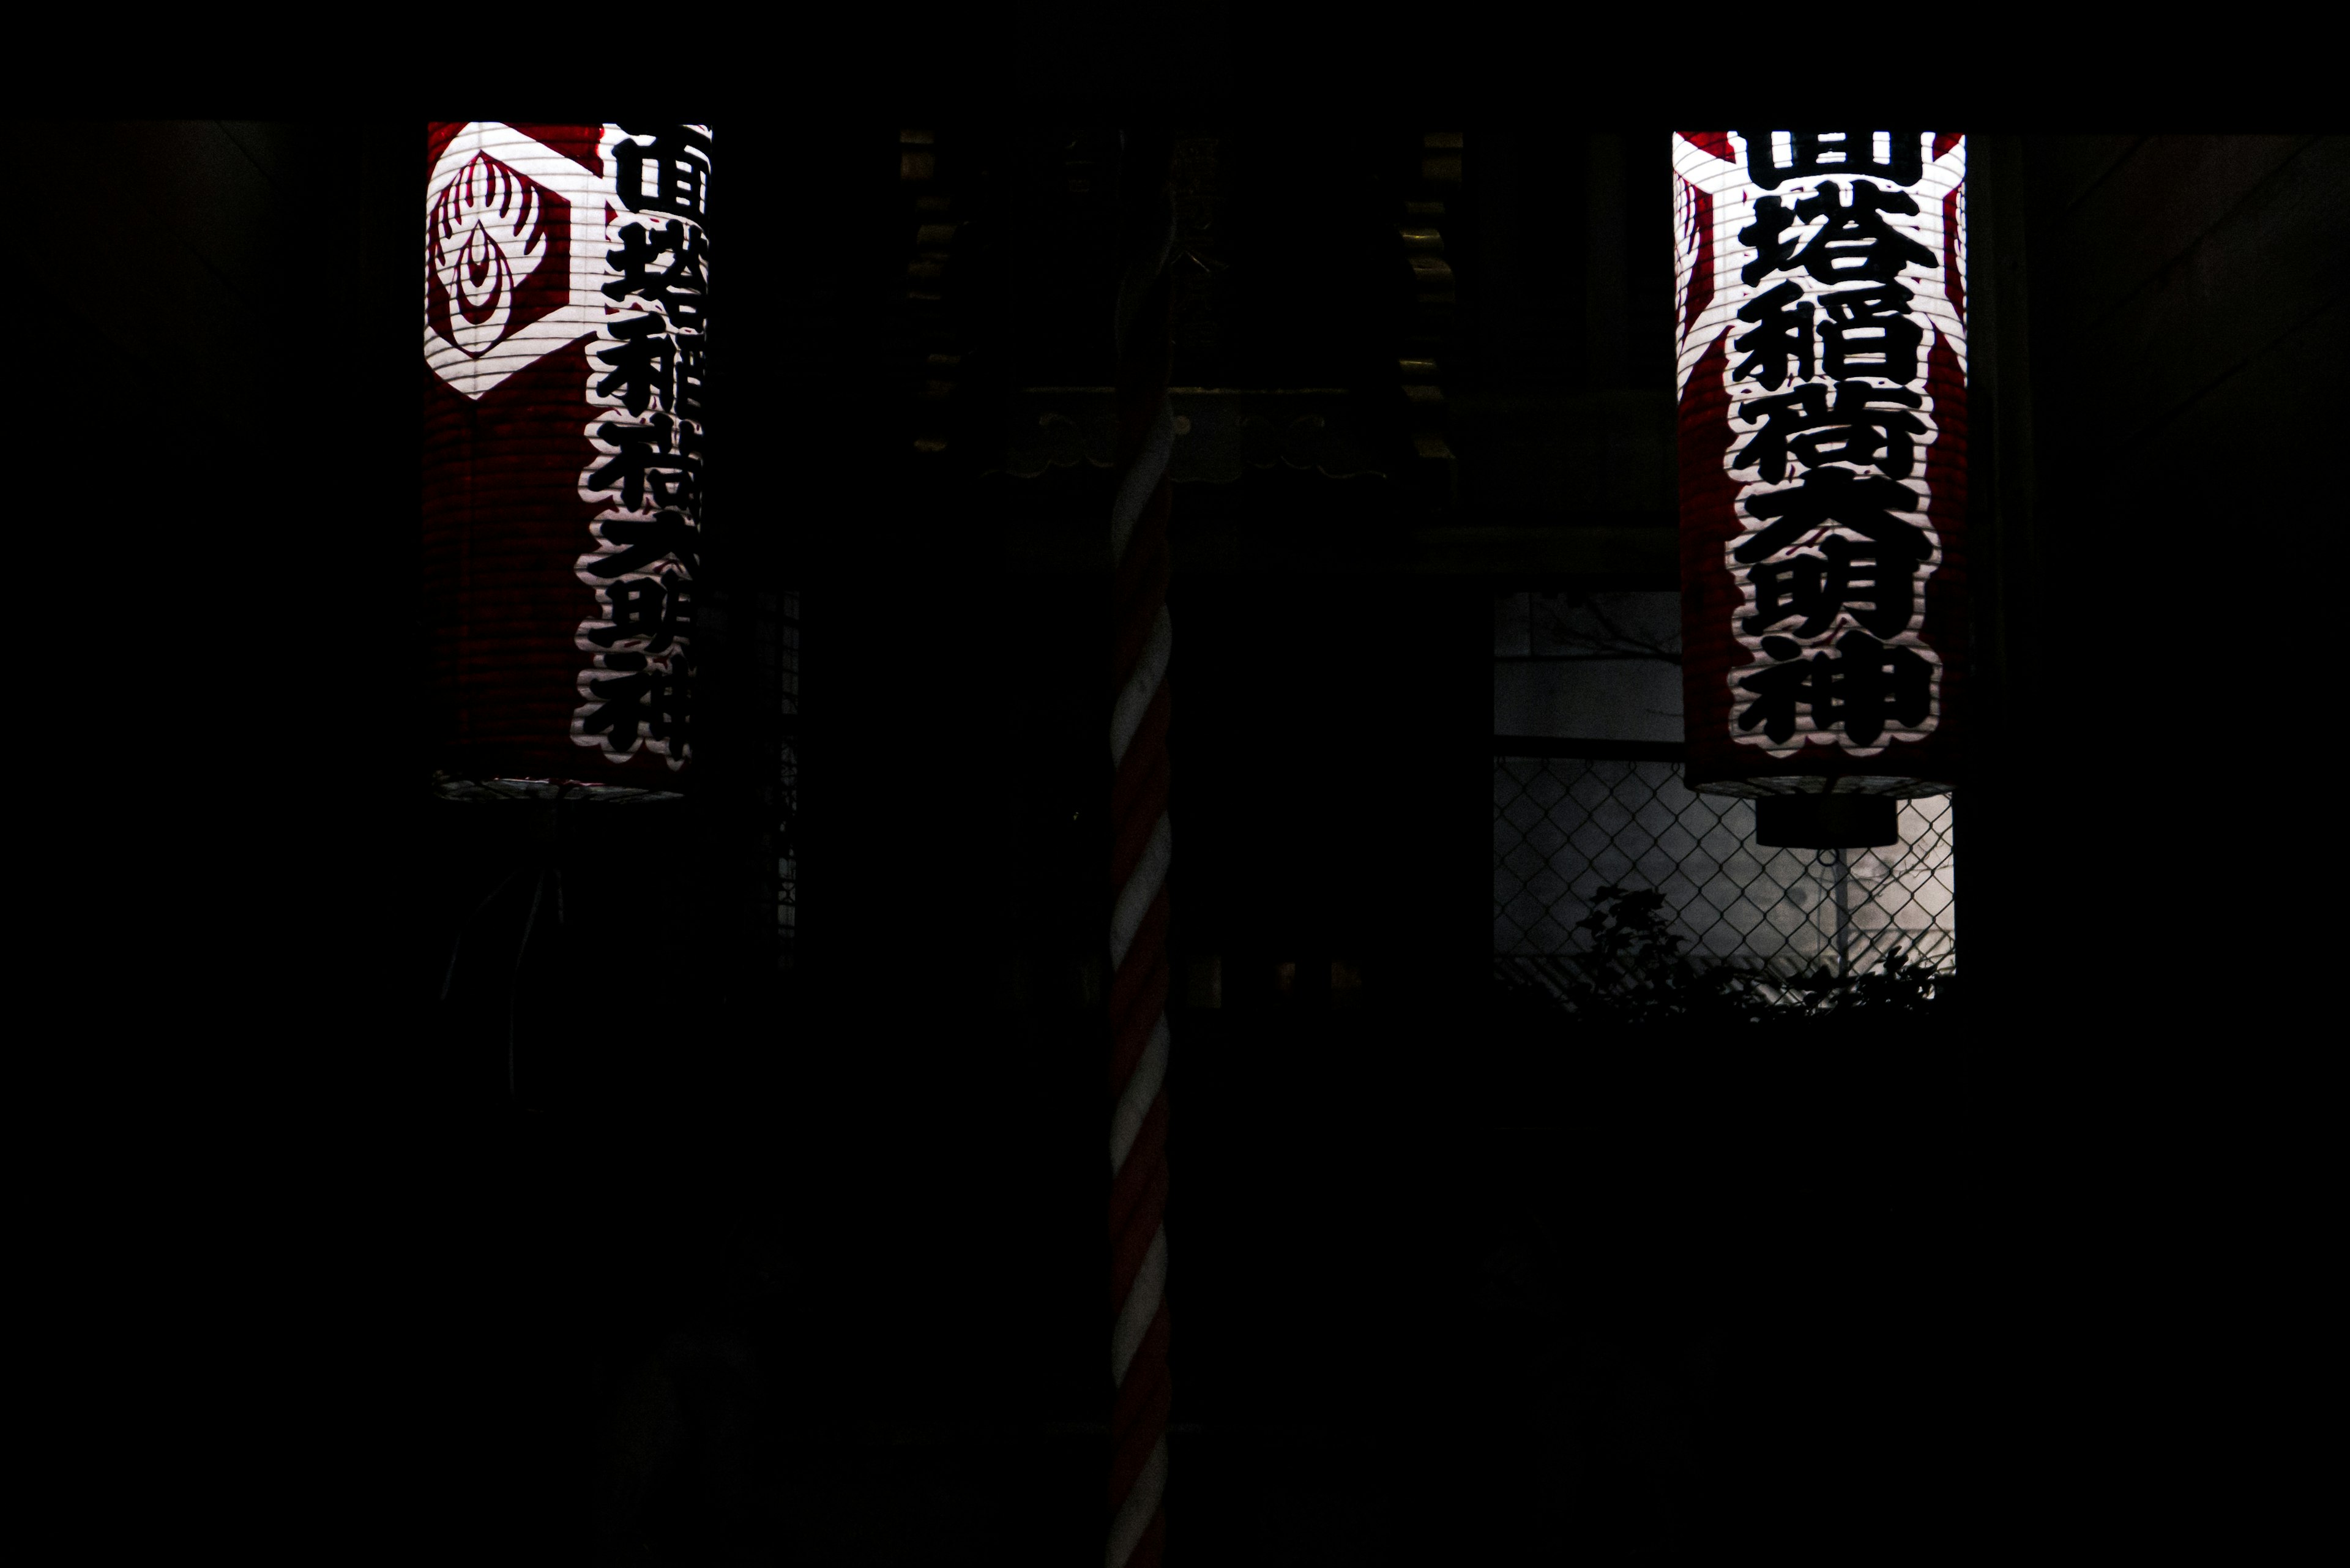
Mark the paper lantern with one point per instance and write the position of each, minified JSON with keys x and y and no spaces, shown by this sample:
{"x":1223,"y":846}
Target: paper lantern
{"x":566,"y":274}
{"x":1821,"y":312}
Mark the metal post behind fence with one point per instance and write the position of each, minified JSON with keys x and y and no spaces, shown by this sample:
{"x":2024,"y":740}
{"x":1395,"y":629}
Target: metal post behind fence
{"x":1843,"y":914}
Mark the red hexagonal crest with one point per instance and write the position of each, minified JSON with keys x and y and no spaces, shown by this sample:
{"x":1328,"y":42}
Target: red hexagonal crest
{"x":499,"y":286}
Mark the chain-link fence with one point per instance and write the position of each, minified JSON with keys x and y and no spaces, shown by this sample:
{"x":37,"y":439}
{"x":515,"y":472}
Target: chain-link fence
{"x":1567,"y":827}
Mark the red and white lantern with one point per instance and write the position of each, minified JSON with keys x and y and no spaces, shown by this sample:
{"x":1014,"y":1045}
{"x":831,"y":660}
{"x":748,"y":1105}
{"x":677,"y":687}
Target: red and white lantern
{"x":566,"y":274}
{"x":1821,"y":324}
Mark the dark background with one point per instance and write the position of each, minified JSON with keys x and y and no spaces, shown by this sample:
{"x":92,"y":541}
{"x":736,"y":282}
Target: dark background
{"x":1436,"y":1278}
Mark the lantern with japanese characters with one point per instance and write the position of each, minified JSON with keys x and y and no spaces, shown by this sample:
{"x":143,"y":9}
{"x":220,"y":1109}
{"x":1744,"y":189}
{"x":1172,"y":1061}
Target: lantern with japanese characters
{"x":1821,"y":312}
{"x":566,"y":289}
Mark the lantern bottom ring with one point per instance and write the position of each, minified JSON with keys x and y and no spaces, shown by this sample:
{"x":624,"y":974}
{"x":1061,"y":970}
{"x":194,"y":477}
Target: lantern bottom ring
{"x":567,"y":790}
{"x":1827,"y":821}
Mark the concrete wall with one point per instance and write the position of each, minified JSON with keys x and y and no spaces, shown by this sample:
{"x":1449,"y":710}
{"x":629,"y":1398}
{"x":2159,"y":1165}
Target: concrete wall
{"x":2162,"y":318}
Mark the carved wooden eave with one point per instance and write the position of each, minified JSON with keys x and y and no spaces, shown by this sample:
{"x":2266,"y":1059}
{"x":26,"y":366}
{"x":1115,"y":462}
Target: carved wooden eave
{"x":1221,"y":434}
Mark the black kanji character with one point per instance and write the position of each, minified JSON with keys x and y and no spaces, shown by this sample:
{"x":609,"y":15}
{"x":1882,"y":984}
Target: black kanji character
{"x":679,"y":157}
{"x":1857,"y":686}
{"x":1856,"y":429}
{"x":1868,"y":682}
{"x":1814,"y":153}
{"x":1869,"y":332}
{"x":635,"y":545}
{"x":1847,"y":575}
{"x":644,"y":361}
{"x":1783,"y":333}
{"x":1779,"y":688}
{"x":620,"y":692}
{"x":653,"y":611}
{"x":1863,"y":504}
{"x":1773,"y":251}
{"x":629,"y":696}
{"x":1856,"y":244}
{"x":668,"y":267}
{"x":660,"y":458}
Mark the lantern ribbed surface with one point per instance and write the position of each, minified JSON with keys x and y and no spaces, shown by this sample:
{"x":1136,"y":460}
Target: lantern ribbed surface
{"x":1820,"y":312}
{"x":565,"y":283}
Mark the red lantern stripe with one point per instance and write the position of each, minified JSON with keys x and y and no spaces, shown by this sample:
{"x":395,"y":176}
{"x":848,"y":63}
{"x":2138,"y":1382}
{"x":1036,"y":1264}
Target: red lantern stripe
{"x":1822,"y":364}
{"x":565,"y":302}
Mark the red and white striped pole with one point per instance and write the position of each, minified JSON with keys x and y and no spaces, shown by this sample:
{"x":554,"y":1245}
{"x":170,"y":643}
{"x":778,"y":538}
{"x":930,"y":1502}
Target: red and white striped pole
{"x":1141,"y":639}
